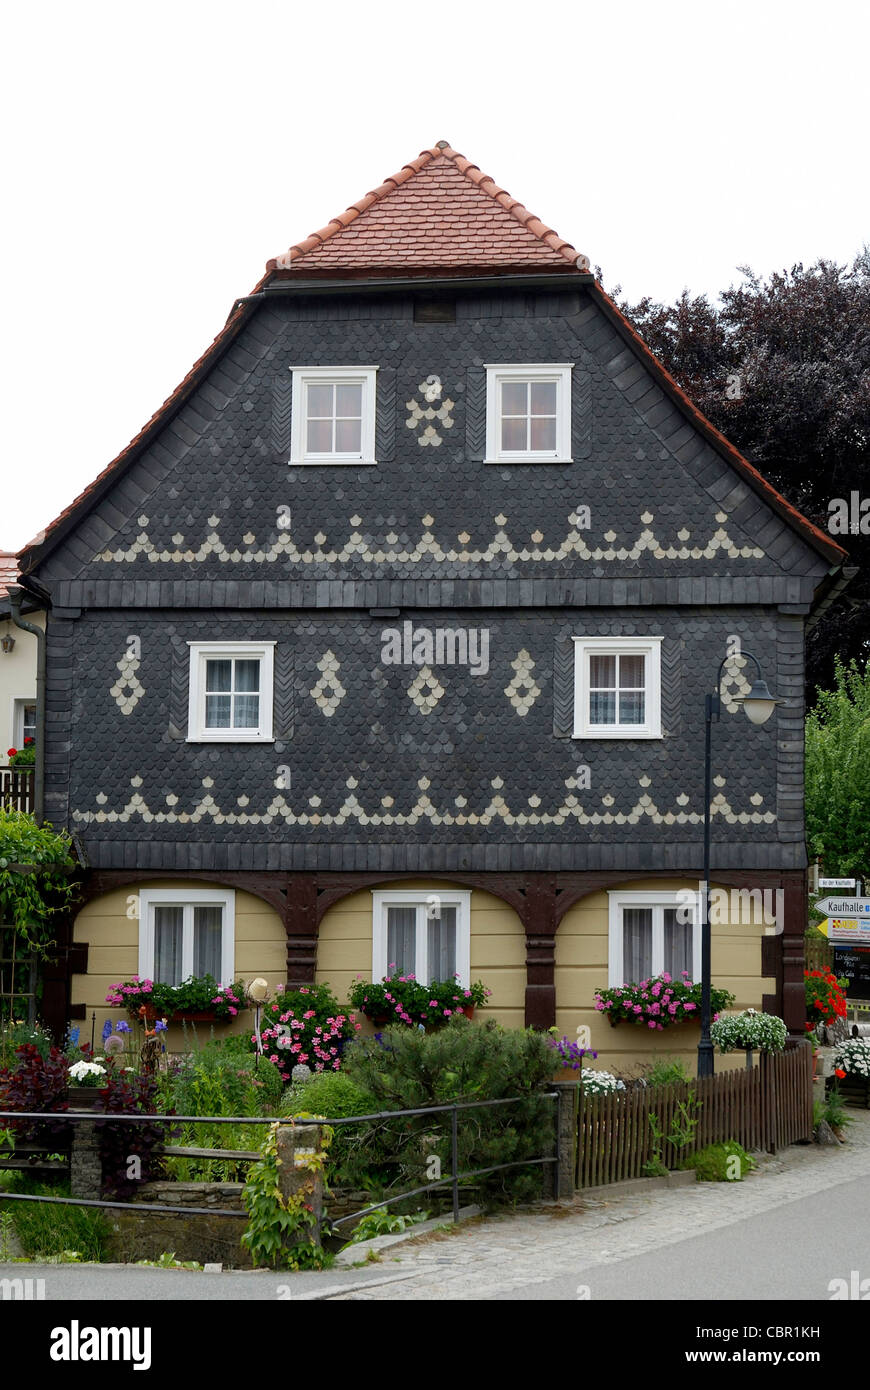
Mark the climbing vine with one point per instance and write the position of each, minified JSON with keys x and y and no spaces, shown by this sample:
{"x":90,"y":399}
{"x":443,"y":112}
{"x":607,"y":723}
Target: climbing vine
{"x":37,"y":866}
{"x":279,"y":1231}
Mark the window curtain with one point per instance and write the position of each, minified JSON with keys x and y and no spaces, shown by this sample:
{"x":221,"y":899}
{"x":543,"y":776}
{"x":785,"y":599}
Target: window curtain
{"x":636,"y":944}
{"x":678,"y":944}
{"x":401,"y":940}
{"x":207,"y":923}
{"x":168,"y":938}
{"x":442,"y":945}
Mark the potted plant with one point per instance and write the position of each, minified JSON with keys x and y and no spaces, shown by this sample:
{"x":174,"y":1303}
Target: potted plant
{"x":826,"y":1001}
{"x":749,"y":1031}
{"x":199,"y":999}
{"x":22,"y":759}
{"x":852,"y":1071}
{"x":658,"y":1002}
{"x":86,"y":1080}
{"x":403,"y":999}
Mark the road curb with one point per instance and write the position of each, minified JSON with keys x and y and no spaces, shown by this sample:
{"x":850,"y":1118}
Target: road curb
{"x":355,"y":1254}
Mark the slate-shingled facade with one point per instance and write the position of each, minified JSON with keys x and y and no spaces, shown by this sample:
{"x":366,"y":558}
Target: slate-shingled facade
{"x":427,"y":778}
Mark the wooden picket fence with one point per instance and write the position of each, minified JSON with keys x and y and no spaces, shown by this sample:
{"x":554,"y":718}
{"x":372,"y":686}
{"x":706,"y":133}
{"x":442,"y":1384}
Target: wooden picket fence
{"x":763,"y":1107}
{"x":819,"y":954}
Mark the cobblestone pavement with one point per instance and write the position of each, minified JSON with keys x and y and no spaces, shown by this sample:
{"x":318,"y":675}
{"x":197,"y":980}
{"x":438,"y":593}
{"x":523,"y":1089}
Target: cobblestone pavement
{"x":491,"y":1257}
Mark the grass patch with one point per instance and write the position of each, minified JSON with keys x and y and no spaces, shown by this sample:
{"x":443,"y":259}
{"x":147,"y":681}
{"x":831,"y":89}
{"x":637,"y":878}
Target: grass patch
{"x":50,"y":1232}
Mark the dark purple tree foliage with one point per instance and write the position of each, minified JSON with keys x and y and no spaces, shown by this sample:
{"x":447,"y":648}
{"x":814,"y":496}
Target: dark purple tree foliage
{"x":782,"y":367}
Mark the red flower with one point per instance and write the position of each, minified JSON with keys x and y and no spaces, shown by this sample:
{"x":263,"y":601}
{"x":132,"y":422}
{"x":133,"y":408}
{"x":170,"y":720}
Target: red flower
{"x":838,"y":1071}
{"x":10,"y":752}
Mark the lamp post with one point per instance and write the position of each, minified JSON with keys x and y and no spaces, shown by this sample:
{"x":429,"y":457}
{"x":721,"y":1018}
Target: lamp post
{"x":759,"y":705}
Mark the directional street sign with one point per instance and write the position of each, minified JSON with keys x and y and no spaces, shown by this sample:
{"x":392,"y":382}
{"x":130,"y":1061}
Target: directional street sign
{"x":844,"y":907}
{"x":847,"y":931}
{"x":836,"y":883}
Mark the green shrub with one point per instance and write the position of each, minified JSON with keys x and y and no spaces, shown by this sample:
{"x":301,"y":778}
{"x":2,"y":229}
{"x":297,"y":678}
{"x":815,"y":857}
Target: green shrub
{"x":335,"y":1095}
{"x":47,"y":1230}
{"x":331,"y":1093}
{"x":408,"y":1068}
{"x":712,"y":1163}
{"x":385,"y":1223}
{"x":667,"y":1071}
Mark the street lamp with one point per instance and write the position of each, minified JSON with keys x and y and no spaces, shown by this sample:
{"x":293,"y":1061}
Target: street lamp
{"x":759,"y":705}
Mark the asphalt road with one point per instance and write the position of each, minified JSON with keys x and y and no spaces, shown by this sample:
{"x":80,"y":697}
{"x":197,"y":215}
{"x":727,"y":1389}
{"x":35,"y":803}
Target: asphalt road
{"x":794,"y":1249}
{"x":792,"y":1252}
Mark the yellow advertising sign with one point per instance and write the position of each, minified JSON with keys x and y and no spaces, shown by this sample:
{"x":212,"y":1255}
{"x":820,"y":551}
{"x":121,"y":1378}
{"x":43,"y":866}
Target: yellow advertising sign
{"x":842,"y":931}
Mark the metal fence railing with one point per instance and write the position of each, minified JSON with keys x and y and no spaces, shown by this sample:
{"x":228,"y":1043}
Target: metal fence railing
{"x":454,"y":1180}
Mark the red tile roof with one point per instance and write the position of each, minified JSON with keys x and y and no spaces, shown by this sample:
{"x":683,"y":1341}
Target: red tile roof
{"x":438,"y":213}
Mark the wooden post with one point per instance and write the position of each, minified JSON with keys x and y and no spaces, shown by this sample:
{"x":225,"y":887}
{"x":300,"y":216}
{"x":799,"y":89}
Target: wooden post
{"x":301,"y":926}
{"x":297,"y":1145}
{"x":539,"y":921}
{"x":567,"y":1119}
{"x":794,"y":926}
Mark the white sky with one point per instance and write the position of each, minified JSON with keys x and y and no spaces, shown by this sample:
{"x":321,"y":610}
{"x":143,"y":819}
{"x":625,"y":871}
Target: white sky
{"x":155,"y":156}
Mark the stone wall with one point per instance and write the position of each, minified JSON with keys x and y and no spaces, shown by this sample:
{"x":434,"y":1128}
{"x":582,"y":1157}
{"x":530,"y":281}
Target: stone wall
{"x":207,"y":1239}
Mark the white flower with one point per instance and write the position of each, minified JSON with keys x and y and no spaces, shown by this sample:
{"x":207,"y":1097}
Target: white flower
{"x":853,"y":1057}
{"x":762,"y":1032}
{"x":79,"y":1070}
{"x":599,"y":1083}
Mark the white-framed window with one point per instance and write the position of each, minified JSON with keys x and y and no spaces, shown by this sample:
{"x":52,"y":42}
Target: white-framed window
{"x":528,"y":413}
{"x":650,"y":933}
{"x":333,"y":415}
{"x":23,"y":720}
{"x":230,"y":694}
{"x":617,"y":687}
{"x":425,"y":933}
{"x":186,"y":932}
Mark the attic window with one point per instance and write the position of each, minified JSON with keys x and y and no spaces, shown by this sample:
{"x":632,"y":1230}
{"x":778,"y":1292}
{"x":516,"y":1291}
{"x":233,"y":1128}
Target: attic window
{"x":333,"y":415}
{"x":434,"y":310}
{"x":528,"y":413}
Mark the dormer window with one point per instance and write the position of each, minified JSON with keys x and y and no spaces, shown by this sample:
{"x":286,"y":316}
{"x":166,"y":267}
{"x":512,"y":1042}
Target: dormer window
{"x":333,"y":415}
{"x":528,"y":413}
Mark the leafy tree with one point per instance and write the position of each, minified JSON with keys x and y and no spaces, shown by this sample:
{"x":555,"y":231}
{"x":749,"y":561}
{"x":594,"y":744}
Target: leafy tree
{"x":37,"y":877}
{"x":782,"y":367}
{"x":838,"y":773}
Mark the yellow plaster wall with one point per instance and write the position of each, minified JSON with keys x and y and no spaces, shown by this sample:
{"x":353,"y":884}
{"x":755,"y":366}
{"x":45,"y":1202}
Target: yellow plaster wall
{"x":581,"y":968}
{"x":113,"y":938}
{"x":497,"y":947}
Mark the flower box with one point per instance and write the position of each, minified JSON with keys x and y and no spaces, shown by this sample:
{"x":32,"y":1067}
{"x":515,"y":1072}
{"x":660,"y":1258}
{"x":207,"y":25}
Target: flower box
{"x":184,"y":1015}
{"x":82,"y":1097}
{"x":855,"y":1090}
